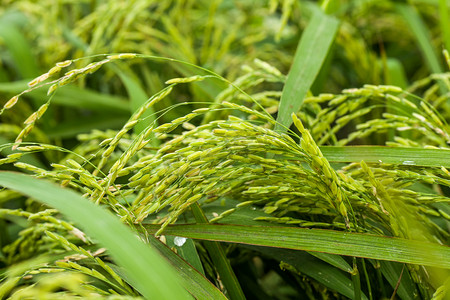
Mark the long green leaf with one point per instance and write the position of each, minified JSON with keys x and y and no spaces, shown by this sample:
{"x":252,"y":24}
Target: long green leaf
{"x":147,"y":270}
{"x":419,"y":29}
{"x":246,"y":216}
{"x":187,"y":250}
{"x":334,"y":260}
{"x":309,"y":57}
{"x":19,"y":49}
{"x":388,"y":155}
{"x":220,"y":260}
{"x":444,"y":22}
{"x":396,"y":73}
{"x":191,"y":278}
{"x":328,"y":241}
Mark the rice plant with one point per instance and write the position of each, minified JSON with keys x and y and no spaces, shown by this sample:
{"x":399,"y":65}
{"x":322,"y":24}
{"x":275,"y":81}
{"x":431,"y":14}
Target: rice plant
{"x":213,"y":162}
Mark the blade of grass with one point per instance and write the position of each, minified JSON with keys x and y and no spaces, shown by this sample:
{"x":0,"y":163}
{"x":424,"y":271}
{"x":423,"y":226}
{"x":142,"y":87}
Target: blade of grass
{"x":419,"y":29}
{"x":445,"y":23}
{"x":430,"y":2}
{"x":328,"y":241}
{"x":147,"y":270}
{"x":19,"y":49}
{"x":334,"y":260}
{"x":356,"y":281}
{"x":388,"y":155}
{"x":309,"y":57}
{"x":191,"y":278}
{"x":247,"y":215}
{"x":187,"y":251}
{"x":396,"y":73}
{"x":220,"y":260}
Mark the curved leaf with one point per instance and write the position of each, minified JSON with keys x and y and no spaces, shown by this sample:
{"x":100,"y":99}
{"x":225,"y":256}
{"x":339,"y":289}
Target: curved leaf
{"x":147,"y":270}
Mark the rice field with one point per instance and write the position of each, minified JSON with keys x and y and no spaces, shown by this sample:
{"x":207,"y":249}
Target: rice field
{"x":224,"y":149}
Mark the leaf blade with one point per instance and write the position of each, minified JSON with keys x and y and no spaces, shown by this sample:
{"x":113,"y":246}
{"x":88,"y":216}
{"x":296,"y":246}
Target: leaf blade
{"x":311,"y":52}
{"x":328,"y":241}
{"x":105,"y":227}
{"x":421,"y":32}
{"x":388,"y":155}
{"x":221,"y":263}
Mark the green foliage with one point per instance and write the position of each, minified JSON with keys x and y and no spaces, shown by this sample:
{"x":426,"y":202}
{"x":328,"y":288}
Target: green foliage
{"x":179,"y":173}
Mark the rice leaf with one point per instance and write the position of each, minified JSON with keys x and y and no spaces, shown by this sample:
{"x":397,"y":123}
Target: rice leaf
{"x":388,"y":155}
{"x":328,"y":241}
{"x":334,"y":260}
{"x":19,"y":48}
{"x":445,"y":23}
{"x":246,"y":216}
{"x":147,"y":270}
{"x":419,"y":29}
{"x":220,"y":260}
{"x":395,"y":73}
{"x":186,"y":249}
{"x":311,"y":52}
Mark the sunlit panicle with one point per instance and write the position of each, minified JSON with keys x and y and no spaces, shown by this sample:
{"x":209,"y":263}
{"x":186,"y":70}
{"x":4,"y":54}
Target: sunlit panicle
{"x":186,"y":79}
{"x":122,"y":56}
{"x":11,"y":102}
{"x":38,"y":80}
